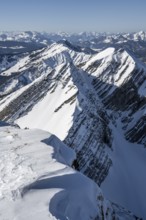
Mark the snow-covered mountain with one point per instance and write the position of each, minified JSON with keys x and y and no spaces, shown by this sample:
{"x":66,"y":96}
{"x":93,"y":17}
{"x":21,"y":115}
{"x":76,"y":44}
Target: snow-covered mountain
{"x":94,"y":102}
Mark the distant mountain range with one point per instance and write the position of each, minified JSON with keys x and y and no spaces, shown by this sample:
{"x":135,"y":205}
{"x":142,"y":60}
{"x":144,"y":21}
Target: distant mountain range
{"x":28,"y":36}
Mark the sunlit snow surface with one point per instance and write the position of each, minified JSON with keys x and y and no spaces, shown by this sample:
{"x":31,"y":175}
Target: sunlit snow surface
{"x":47,"y":120}
{"x":36,"y":181}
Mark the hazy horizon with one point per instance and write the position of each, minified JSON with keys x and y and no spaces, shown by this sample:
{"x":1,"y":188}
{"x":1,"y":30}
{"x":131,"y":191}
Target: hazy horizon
{"x":71,"y":33}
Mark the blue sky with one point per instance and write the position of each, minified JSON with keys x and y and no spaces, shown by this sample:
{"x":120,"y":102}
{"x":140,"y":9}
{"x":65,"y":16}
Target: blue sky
{"x":73,"y":15}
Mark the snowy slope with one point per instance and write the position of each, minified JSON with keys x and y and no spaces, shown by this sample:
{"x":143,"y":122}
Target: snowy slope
{"x":126,"y":181}
{"x":36,"y":181}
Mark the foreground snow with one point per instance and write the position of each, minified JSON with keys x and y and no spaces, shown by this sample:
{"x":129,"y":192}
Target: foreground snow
{"x":36,"y":182}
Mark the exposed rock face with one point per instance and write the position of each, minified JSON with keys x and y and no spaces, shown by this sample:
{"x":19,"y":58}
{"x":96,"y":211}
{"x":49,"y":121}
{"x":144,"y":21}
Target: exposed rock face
{"x":126,"y":95}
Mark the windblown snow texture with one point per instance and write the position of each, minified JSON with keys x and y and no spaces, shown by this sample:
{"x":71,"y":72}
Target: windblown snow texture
{"x":38,"y":183}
